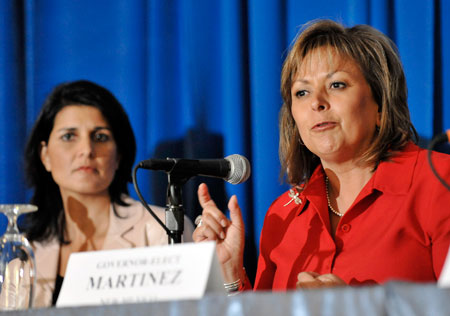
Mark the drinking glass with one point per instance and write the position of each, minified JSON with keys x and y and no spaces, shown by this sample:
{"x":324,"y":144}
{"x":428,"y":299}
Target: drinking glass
{"x":17,"y":263}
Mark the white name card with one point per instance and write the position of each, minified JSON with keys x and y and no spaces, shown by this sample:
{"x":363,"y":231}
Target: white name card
{"x":158,"y":273}
{"x":444,"y":278}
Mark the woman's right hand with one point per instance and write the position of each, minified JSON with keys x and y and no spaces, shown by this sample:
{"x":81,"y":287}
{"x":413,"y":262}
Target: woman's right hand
{"x":228,"y":234}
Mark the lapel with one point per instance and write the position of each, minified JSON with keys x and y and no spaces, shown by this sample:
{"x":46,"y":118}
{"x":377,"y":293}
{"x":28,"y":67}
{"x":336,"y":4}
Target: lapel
{"x":315,"y":193}
{"x":134,"y":227}
{"x":120,"y":228}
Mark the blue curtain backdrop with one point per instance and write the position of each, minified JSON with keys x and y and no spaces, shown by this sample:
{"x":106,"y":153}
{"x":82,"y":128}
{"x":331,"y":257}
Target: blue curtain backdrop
{"x":198,"y":78}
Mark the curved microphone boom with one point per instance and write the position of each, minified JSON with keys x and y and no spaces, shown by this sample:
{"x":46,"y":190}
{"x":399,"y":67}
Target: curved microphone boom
{"x":234,"y":169}
{"x":441,"y":138}
{"x":438,"y":139}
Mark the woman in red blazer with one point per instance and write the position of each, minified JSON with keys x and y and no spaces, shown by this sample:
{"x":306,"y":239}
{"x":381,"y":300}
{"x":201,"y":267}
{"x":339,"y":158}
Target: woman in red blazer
{"x":364,"y":206}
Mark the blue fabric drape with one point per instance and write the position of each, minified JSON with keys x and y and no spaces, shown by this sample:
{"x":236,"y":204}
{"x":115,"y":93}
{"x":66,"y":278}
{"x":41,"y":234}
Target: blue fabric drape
{"x":198,"y":78}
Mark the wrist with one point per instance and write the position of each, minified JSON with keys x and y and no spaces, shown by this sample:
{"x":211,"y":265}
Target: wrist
{"x":231,"y":272}
{"x":233,"y":288}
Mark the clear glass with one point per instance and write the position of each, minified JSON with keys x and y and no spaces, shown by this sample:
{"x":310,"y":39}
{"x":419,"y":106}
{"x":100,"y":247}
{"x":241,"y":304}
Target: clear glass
{"x":17,"y":263}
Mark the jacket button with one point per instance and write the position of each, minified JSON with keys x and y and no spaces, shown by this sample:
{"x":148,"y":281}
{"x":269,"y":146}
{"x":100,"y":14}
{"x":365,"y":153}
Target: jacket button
{"x":345,"y":228}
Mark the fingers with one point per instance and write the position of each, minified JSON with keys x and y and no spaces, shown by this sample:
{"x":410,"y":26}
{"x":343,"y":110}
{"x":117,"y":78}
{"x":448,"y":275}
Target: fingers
{"x":212,"y":225}
{"x":228,"y":234}
{"x":307,"y":279}
{"x":198,"y":235}
{"x":214,"y":221}
{"x":235,"y":212}
{"x":215,"y":225}
{"x":331,"y":280}
{"x":203,"y":196}
{"x":315,"y":280}
{"x":210,"y":210}
{"x":210,"y":229}
{"x":307,"y":276}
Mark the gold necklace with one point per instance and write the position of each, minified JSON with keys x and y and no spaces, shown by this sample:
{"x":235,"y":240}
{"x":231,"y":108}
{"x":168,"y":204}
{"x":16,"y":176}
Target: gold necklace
{"x":328,"y":200}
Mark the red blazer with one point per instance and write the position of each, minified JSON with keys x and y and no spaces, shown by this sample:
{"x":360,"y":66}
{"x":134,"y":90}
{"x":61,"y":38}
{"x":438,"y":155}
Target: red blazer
{"x":398,"y":228}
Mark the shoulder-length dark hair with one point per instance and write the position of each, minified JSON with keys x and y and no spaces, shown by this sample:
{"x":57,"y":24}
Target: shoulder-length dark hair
{"x":380,"y":64}
{"x":48,"y":222}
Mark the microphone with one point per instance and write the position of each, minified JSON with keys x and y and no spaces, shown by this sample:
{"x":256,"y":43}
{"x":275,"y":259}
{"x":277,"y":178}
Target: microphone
{"x":234,"y":169}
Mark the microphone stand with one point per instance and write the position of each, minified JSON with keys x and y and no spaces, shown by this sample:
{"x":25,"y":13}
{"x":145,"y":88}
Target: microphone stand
{"x":181,"y":170}
{"x":174,"y":207}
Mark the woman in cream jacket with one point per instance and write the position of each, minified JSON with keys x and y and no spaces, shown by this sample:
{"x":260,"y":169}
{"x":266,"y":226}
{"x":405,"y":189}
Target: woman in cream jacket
{"x":79,"y":158}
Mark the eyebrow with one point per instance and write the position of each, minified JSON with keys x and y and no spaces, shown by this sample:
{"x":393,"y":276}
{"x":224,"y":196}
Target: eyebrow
{"x":329,"y":75}
{"x":72,"y":129}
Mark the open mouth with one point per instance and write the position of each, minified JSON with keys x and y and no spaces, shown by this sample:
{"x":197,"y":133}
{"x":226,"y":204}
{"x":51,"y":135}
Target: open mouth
{"x":324,"y":125}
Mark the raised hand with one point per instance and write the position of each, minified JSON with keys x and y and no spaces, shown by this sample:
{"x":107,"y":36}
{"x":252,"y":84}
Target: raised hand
{"x":229,"y":234}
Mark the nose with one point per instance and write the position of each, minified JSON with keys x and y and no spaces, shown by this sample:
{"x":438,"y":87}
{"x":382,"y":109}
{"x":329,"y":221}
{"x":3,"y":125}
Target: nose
{"x":320,"y":101}
{"x":86,"y":147}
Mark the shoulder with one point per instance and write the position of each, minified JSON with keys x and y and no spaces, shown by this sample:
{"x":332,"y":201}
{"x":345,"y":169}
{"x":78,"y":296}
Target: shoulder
{"x":408,"y":179}
{"x":284,"y":208}
{"x":141,"y":218}
{"x":51,"y":243}
{"x":440,"y":161}
{"x":135,"y":209}
{"x":410,"y":167}
{"x":45,"y":249}
{"x":415,"y":154}
{"x":424,"y":163}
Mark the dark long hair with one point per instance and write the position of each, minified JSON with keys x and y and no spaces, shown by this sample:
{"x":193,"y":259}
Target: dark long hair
{"x":48,"y":222}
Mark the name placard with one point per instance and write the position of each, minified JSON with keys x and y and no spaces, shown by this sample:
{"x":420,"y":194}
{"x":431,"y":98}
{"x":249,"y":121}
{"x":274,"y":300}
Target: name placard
{"x":444,"y":278}
{"x":158,"y":273}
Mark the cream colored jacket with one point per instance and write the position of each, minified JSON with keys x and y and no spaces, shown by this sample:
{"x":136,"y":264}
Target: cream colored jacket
{"x":137,"y":228}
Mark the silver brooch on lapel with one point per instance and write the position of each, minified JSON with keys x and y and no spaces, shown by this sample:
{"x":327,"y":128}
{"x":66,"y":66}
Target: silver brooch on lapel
{"x":294,"y":197}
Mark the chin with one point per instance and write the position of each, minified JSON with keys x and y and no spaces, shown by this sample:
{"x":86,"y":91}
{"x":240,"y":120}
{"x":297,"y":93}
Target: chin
{"x":94,"y":190}
{"x":324,"y":150}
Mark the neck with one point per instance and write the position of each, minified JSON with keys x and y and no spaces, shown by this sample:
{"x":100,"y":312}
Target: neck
{"x":344,"y":184}
{"x":87,"y":219}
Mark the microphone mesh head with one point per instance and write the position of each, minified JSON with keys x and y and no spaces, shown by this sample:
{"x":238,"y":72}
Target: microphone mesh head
{"x":239,"y":169}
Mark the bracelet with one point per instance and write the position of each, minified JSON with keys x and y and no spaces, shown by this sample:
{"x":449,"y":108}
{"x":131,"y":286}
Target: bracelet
{"x":233,"y":287}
